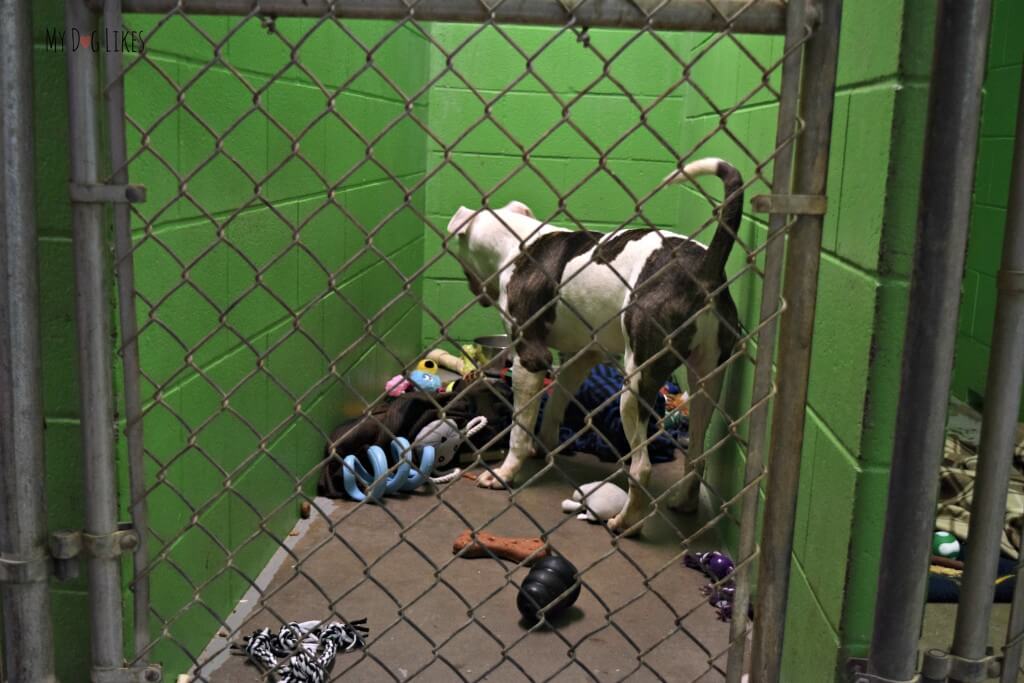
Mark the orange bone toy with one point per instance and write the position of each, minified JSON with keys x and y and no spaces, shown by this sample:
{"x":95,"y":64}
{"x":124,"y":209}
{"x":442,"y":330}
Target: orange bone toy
{"x":505,"y":547}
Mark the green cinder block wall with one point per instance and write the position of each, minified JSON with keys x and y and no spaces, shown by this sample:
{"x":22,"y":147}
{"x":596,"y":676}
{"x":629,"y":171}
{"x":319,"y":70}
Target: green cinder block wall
{"x":270,"y":270}
{"x":991,"y":190}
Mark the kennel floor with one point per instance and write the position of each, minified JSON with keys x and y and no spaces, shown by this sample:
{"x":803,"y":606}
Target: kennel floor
{"x":410,"y":613}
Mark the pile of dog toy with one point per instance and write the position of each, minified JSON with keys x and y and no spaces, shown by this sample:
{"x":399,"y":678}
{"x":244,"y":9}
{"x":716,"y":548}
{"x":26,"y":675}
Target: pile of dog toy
{"x":410,"y":465}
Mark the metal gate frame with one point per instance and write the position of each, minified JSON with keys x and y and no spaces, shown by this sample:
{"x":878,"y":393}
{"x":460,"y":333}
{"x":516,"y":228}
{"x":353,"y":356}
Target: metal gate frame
{"x":805,"y":116}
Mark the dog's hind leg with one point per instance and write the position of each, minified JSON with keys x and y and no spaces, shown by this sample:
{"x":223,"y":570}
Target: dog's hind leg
{"x":526,"y":389}
{"x":567,"y":382}
{"x":640,"y":392}
{"x":705,"y":387}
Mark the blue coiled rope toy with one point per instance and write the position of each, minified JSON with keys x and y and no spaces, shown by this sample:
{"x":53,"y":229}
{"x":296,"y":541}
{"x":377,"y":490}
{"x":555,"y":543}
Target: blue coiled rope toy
{"x":412,"y":466}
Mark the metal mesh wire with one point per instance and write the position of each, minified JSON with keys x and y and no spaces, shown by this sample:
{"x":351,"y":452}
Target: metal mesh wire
{"x":265,"y":321}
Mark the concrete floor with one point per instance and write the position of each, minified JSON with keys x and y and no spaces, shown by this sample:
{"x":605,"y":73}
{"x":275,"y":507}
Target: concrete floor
{"x":637,"y":642}
{"x":940,"y":618}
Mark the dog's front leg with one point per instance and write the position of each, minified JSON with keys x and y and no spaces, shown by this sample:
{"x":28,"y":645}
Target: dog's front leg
{"x":526,"y":390}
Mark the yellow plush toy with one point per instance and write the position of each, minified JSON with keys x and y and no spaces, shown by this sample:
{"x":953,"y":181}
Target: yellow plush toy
{"x":427,"y":365}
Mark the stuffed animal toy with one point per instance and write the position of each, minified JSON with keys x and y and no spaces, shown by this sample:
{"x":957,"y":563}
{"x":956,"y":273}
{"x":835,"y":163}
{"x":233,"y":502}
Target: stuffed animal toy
{"x":596,"y":502}
{"x":427,"y":381}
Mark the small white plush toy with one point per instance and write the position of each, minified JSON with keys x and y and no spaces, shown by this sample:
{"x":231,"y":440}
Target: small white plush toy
{"x":603,"y":501}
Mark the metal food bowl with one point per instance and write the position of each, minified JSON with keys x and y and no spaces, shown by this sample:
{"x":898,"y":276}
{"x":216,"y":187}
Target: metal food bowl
{"x":496,"y":349}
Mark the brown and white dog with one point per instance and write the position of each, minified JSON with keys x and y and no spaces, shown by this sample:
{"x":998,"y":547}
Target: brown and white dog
{"x":642,"y":293}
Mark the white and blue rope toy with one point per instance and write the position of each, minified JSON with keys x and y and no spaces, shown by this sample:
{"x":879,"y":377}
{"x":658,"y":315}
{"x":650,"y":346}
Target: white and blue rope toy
{"x":410,"y":465}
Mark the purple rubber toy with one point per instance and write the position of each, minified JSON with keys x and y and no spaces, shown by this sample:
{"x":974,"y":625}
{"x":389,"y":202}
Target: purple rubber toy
{"x":718,"y":567}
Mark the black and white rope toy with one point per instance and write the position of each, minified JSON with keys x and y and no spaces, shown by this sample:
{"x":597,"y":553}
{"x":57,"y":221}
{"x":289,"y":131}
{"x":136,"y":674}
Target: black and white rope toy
{"x":309,"y":646}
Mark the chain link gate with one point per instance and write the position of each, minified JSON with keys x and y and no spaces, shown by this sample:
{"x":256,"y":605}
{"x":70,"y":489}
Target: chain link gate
{"x":243,"y":343}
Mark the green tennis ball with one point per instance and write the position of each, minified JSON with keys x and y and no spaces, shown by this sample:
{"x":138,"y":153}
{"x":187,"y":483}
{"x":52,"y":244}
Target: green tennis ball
{"x":944,"y":544}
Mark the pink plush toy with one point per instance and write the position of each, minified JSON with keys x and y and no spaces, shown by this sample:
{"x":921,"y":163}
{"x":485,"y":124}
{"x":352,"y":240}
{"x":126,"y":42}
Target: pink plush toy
{"x":397,"y":385}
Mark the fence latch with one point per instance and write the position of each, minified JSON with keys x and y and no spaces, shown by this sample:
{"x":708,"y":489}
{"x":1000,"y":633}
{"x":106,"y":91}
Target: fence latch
{"x":795,"y":204}
{"x":67,"y":546}
{"x":105,"y":194}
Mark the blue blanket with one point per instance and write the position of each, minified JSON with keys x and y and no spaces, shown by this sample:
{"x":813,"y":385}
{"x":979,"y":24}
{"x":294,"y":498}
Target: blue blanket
{"x":606,"y":439}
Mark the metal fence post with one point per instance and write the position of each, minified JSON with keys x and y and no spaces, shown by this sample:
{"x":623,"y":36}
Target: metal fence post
{"x":796,"y":329}
{"x":998,"y":434}
{"x":947,"y":180}
{"x":796,"y":26}
{"x":28,"y":634}
{"x":92,"y":313}
{"x":113,"y":96}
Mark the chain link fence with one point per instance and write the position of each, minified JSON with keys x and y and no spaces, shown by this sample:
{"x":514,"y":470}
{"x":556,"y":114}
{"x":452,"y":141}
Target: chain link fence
{"x":294,"y":254}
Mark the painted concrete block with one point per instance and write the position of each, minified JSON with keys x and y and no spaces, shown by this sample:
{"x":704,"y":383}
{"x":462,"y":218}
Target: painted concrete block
{"x":256,"y":49}
{"x":808,"y":460}
{"x":295,"y":139}
{"x":985,"y":241}
{"x":327,"y":54}
{"x":180,"y":318}
{"x":995,"y":158}
{"x":52,"y":207}
{"x":870,"y":44}
{"x":192,"y":36}
{"x":999,"y":107}
{"x":836,"y":170}
{"x":56,"y":327}
{"x":865,"y":549}
{"x":968,"y":300}
{"x":829,"y":521}
{"x":885,"y":374}
{"x":464,"y":179}
{"x":261,"y":268}
{"x":70,"y":618}
{"x":811,"y":643}
{"x":907,"y":153}
{"x":840,"y":354}
{"x":862,"y":197}
{"x":152,"y":136}
{"x":221,"y":175}
{"x":984,"y":310}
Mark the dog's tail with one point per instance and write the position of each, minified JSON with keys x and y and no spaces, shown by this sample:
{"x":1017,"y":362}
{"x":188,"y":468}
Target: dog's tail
{"x":731,"y":211}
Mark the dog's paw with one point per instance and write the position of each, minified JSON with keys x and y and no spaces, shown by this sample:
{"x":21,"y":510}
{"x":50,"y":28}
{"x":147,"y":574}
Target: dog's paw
{"x":493,"y":480}
{"x":622,"y":525}
{"x":684,"y":498}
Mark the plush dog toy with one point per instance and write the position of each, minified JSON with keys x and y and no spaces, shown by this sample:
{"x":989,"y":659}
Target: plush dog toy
{"x":597,"y":501}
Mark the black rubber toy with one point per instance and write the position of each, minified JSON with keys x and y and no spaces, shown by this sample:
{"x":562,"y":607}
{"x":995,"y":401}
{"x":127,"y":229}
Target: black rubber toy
{"x":549,"y":578}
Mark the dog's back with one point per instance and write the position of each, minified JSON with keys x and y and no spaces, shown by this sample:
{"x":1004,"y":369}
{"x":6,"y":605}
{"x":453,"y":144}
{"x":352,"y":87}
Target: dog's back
{"x":566,"y":289}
